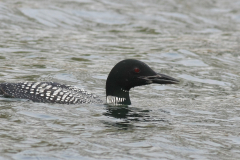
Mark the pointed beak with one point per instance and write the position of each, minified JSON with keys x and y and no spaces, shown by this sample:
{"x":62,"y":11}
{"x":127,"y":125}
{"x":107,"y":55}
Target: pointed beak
{"x":159,"y":79}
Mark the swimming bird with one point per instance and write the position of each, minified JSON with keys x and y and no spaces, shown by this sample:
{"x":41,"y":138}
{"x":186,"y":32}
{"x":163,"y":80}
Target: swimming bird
{"x":125,"y":75}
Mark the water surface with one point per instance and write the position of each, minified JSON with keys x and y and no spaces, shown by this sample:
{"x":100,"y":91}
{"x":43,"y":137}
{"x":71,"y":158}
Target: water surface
{"x":78,"y":42}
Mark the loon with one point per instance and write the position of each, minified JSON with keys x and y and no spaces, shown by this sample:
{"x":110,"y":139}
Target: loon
{"x":125,"y":75}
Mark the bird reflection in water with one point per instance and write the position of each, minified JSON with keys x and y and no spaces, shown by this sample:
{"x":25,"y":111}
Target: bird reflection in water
{"x":124,"y":112}
{"x":127,"y":115}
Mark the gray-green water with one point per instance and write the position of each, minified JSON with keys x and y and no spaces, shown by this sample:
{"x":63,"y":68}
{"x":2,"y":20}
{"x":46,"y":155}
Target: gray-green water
{"x":78,"y":42}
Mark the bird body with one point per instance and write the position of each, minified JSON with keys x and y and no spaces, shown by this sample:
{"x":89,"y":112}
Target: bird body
{"x":125,"y":75}
{"x":48,"y":92}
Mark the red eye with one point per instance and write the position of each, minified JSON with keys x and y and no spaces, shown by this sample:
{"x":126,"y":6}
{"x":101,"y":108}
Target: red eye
{"x":136,"y":70}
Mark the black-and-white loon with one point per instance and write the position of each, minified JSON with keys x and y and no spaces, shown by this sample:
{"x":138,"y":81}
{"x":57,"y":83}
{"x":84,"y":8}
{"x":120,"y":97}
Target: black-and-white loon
{"x":125,"y":75}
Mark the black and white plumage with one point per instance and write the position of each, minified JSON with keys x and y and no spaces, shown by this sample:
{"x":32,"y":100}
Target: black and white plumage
{"x":48,"y":92}
{"x":125,"y":75}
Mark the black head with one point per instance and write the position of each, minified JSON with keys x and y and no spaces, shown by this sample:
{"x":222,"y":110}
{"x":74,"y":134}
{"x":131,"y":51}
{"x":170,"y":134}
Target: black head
{"x":130,"y":73}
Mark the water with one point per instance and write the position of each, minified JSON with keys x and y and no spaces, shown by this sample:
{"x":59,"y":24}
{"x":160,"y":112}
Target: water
{"x":78,"y":42}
